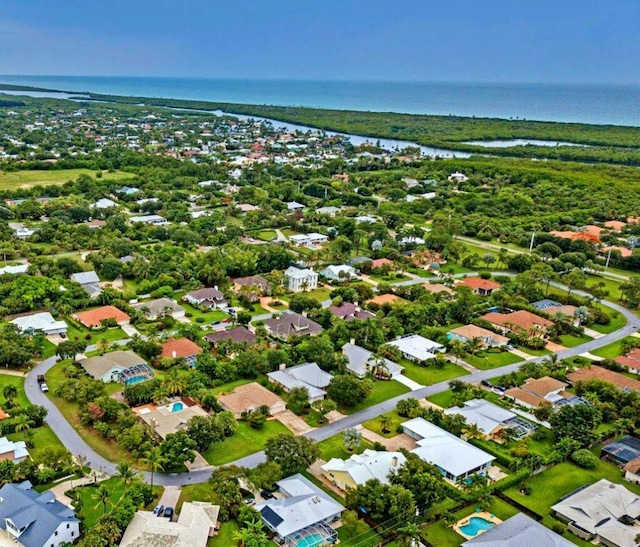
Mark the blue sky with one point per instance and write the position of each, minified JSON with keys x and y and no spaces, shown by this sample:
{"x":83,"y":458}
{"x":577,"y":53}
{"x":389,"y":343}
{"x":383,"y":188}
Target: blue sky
{"x":562,"y":41}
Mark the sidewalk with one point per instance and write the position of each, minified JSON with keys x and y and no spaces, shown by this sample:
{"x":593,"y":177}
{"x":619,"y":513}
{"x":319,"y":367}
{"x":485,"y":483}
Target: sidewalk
{"x":9,"y":372}
{"x":593,"y":333}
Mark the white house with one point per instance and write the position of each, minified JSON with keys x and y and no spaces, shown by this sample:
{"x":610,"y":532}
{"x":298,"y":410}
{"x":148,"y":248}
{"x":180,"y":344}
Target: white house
{"x":40,"y":322}
{"x":417,"y":348}
{"x":153,"y":220}
{"x":454,"y":458}
{"x":14,"y":270}
{"x":308,"y":375}
{"x":104,"y":203}
{"x":302,"y":515}
{"x":297,"y":279}
{"x":360,"y":468}
{"x":90,"y":282}
{"x":341,"y":272}
{"x":295,"y":206}
{"x":13,"y":451}
{"x":32,"y":519}
{"x":458,"y":177}
{"x":361,"y":361}
{"x":23,"y":232}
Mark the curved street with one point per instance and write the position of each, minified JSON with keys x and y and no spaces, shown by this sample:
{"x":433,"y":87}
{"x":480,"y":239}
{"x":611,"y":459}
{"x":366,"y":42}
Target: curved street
{"x":77,"y":446}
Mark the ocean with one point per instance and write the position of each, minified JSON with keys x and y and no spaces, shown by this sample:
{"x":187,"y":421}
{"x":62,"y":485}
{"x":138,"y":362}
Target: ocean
{"x":596,"y":104}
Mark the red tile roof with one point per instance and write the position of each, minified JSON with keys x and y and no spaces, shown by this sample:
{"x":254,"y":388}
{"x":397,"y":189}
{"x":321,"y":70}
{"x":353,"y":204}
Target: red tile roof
{"x":595,"y":372}
{"x":521,"y":318}
{"x":94,"y":318}
{"x":477,"y":283}
{"x":178,"y":348}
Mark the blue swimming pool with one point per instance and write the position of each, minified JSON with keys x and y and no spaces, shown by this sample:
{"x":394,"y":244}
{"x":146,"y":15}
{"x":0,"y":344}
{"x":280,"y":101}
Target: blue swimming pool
{"x":311,"y":541}
{"x":475,"y":526}
{"x":135,"y":380}
{"x":177,"y":407}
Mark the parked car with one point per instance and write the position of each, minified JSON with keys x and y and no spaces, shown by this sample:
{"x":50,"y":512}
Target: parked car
{"x":486,"y":383}
{"x":501,"y":388}
{"x":158,"y":510}
{"x":168,"y":512}
{"x":266,"y":494}
{"x":249,"y":501}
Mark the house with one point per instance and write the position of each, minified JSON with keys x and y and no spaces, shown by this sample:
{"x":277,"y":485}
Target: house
{"x":14,"y":270}
{"x":196,"y":524}
{"x":594,"y":372}
{"x":32,"y":519}
{"x":170,"y":418}
{"x":15,"y":451}
{"x":631,"y":361}
{"x":40,"y":322}
{"x":622,"y":451}
{"x":518,"y":531}
{"x":151,"y":220}
{"x":247,"y":207}
{"x":95,"y":224}
{"x":295,"y":206}
{"x":155,"y":309}
{"x":536,"y":391}
{"x":339,"y":273}
{"x":95,"y":318}
{"x":350,"y":312}
{"x":624,"y":252}
{"x":492,"y":419}
{"x":482,"y":287}
{"x":417,"y":348}
{"x":117,"y":366}
{"x":358,"y":261}
{"x":632,"y":471}
{"x":488,"y":338}
{"x":382,"y":299}
{"x":381,"y":262}
{"x":330,"y":211}
{"x":299,"y":240}
{"x":237,"y":335}
{"x":454,"y":458}
{"x":615,"y":225}
{"x":365,"y":219}
{"x":302,"y":513}
{"x":210,"y":298}
{"x":519,"y":322}
{"x":89,"y":281}
{"x":251,"y":397}
{"x":297,"y":279}
{"x":181,"y":348}
{"x":104,"y":203}
{"x":360,"y":468}
{"x":458,"y":177}
{"x":127,"y":190}
{"x":254,"y":286}
{"x":308,"y":375}
{"x":361,"y":361}
{"x":603,"y":512}
{"x":291,"y":324}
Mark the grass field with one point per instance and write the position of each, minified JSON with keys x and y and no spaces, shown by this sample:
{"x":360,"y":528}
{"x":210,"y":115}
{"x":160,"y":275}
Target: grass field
{"x":43,"y":439}
{"x":208,"y":316}
{"x":382,"y":390}
{"x":18,"y":382}
{"x":442,"y":399}
{"x":617,"y":322}
{"x":432,"y":374}
{"x":27,"y":179}
{"x":613,"y":350}
{"x":333,"y":448}
{"x":570,"y":341}
{"x":80,"y":333}
{"x":245,"y":441}
{"x":491,"y":359}
{"x":395,"y":420}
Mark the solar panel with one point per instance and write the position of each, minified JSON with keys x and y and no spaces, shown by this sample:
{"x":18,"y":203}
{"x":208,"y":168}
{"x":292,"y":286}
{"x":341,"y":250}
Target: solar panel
{"x":271,"y":516}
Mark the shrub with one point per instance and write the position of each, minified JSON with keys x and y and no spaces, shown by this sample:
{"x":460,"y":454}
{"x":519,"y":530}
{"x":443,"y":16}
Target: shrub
{"x":585,"y":458}
{"x":199,"y":319}
{"x":558,"y":528}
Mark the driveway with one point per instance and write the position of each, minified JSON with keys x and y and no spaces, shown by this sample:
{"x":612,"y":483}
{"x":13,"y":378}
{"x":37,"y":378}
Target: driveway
{"x":292,"y":422}
{"x":402,"y":379}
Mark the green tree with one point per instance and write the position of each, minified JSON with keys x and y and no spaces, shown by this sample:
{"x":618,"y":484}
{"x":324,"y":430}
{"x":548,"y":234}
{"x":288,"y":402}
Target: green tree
{"x":577,"y":422}
{"x":10,"y":392}
{"x":351,"y":439}
{"x":103,"y":497}
{"x":348,"y":391}
{"x":293,"y":454}
{"x":298,"y":400}
{"x":155,"y":460}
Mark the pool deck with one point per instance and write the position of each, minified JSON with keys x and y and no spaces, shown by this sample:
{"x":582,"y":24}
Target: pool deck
{"x":483,"y":515}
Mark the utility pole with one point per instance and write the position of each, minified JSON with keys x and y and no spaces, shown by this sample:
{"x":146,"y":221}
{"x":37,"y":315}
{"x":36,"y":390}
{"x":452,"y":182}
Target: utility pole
{"x":533,"y":238}
{"x":608,"y":259}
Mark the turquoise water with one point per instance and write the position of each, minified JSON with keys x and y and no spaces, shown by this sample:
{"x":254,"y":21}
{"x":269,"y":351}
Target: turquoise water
{"x":136,"y":380}
{"x":600,"y":104}
{"x":311,"y":541}
{"x":177,"y":407}
{"x":475,"y":526}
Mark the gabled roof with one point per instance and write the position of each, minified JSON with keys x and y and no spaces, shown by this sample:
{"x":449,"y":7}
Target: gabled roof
{"x":41,"y":514}
{"x":477,"y":283}
{"x":543,"y":386}
{"x":522,"y":319}
{"x":42,"y":321}
{"x":206,"y":294}
{"x":473,"y":331}
{"x":248,"y":397}
{"x":298,"y":273}
{"x":417,"y":346}
{"x":18,"y":448}
{"x":518,"y":531}
{"x":292,"y":324}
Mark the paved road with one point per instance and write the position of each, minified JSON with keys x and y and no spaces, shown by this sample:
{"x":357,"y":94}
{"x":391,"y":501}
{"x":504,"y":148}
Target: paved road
{"x":76,"y":445}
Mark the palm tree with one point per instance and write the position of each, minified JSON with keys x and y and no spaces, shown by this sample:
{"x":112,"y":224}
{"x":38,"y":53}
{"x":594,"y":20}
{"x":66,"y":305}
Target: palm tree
{"x":472,"y":431}
{"x":126,"y":473}
{"x":385,"y":422}
{"x":380,"y":368}
{"x":102,"y":496}
{"x":457,"y":349}
{"x":474,"y":345}
{"x":154,"y":459}
{"x":160,"y":394}
{"x":10,"y":392}
{"x":23,"y":423}
{"x":174,"y":384}
{"x":409,"y":533}
{"x":102,"y":345}
{"x":78,"y":505}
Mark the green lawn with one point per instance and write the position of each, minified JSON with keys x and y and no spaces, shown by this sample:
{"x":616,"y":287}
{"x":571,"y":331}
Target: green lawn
{"x":43,"y":439}
{"x":491,"y":359}
{"x":369,"y":539}
{"x":570,"y":341}
{"x":18,"y":381}
{"x":536,"y":352}
{"x":442,"y":399}
{"x":245,"y":441}
{"x":228,"y":388}
{"x":266,"y":235}
{"x":617,"y":322}
{"x":441,"y":535}
{"x":375,"y":424}
{"x":29,"y":178}
{"x":611,"y":351}
{"x":92,"y":509}
{"x":259,"y":310}
{"x":382,"y":390}
{"x":333,"y":448}
{"x":80,"y":333}
{"x":391,"y":278}
{"x":431,"y":374}
{"x":207,"y":316}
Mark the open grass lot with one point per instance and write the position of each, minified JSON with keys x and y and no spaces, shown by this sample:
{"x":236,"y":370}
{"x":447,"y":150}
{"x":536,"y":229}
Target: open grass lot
{"x":611,"y":351}
{"x":106,"y":448}
{"x":80,"y":333}
{"x":431,"y":374}
{"x":491,"y":359}
{"x":265,"y":235}
{"x":18,"y":382}
{"x":245,"y":441}
{"x":382,"y":390}
{"x":617,"y":322}
{"x":29,"y":178}
{"x":395,"y":420}
{"x":570,"y":341}
{"x":549,"y":487}
{"x":207,"y":316}
{"x":92,"y":508}
{"x":333,"y":448}
{"x":442,"y":535}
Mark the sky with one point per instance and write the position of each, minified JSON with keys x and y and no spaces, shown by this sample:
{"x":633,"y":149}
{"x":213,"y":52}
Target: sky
{"x":561,"y":41}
